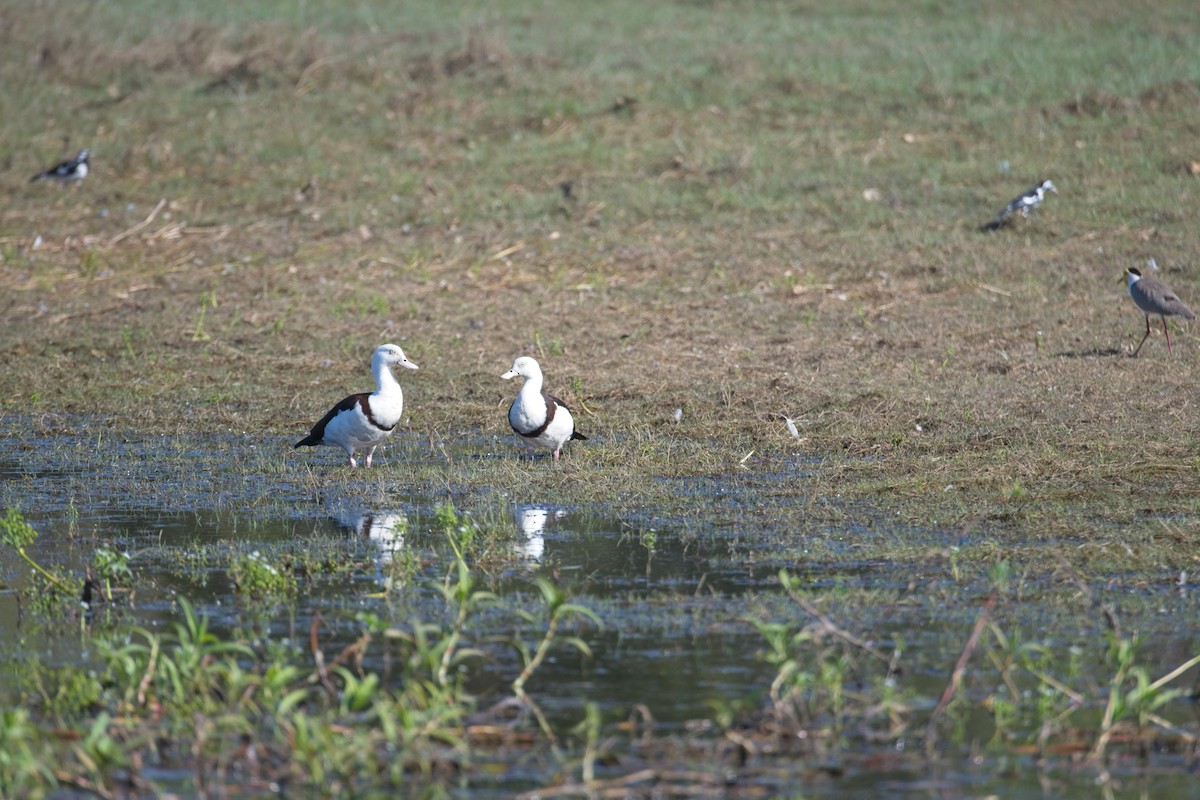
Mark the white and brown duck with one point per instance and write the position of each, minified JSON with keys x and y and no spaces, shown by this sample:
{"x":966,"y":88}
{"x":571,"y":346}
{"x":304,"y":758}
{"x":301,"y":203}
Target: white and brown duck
{"x":539,"y":419}
{"x":364,"y":421}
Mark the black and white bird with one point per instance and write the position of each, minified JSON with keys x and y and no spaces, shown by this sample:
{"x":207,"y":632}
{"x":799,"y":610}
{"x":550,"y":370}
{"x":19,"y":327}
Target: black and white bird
{"x":1153,"y":297}
{"x":364,"y":421}
{"x":539,"y":419}
{"x":70,"y":171}
{"x":1022,"y":205}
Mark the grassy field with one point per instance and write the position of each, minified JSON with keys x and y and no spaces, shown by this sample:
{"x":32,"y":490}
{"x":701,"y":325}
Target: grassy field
{"x":754,"y":212}
{"x":772,"y":212}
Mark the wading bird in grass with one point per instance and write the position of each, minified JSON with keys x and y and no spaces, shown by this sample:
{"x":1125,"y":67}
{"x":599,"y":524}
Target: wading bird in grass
{"x":1153,"y":297}
{"x":70,"y":171}
{"x":1021,"y":205}
{"x":539,"y":419}
{"x":364,"y":421}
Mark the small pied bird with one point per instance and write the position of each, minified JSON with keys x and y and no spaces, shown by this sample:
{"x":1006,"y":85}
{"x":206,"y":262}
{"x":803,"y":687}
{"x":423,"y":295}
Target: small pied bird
{"x":70,"y":171}
{"x":1022,"y":204}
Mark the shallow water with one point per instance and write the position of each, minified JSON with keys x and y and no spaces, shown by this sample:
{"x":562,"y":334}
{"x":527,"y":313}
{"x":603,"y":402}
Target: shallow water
{"x":676,"y":603}
{"x":693,"y":652}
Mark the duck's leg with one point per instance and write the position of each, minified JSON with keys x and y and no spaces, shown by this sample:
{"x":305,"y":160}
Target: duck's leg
{"x":1167,"y":334}
{"x":370,"y":454}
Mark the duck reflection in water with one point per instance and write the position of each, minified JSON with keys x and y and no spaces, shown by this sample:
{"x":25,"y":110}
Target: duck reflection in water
{"x":533,"y":522}
{"x":385,"y":529}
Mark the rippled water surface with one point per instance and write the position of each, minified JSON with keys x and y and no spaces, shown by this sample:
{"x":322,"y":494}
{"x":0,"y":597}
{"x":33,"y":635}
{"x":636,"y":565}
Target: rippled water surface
{"x":677,"y":641}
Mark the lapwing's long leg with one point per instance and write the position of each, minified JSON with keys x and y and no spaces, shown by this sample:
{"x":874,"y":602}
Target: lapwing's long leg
{"x":1144,"y":338}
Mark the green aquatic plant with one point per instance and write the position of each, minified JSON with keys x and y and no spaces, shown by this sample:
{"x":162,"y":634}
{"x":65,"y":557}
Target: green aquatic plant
{"x":99,"y":753}
{"x":816,"y":662}
{"x":1042,"y":696}
{"x":179,"y":670}
{"x":111,"y":566}
{"x":483,"y":535}
{"x":24,"y":766}
{"x":593,"y":749}
{"x":19,"y":534}
{"x":1022,"y":711}
{"x":255,"y":577}
{"x":558,"y":611}
{"x":458,"y":527}
{"x":462,"y":600}
{"x":60,"y":692}
{"x":1133,"y":697}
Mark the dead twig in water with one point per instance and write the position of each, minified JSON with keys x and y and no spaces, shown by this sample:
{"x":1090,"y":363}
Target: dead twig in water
{"x":319,"y":655}
{"x":960,"y":668}
{"x":1110,"y":616}
{"x":829,"y":626}
{"x":353,"y":653}
{"x":644,"y":782}
{"x":151,"y":667}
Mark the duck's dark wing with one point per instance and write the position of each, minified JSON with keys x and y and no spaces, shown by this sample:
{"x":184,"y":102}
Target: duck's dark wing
{"x":317,"y":434}
{"x":553,"y":401}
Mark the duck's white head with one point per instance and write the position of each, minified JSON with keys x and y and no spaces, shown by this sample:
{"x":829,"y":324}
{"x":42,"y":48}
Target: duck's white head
{"x":524,"y":366}
{"x":1132,"y":276}
{"x":1048,"y":186}
{"x":390,"y":355}
{"x":83,"y":156}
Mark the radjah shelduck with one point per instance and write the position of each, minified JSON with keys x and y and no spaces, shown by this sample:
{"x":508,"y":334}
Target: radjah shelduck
{"x":1153,"y":297}
{"x":72,"y":170}
{"x":1021,"y":204}
{"x":539,"y":419}
{"x":364,"y":421}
